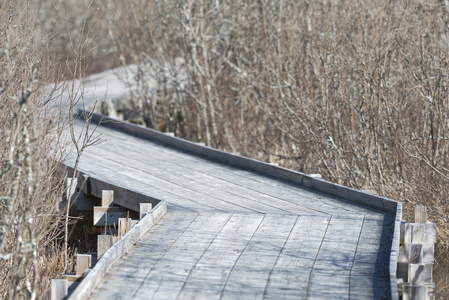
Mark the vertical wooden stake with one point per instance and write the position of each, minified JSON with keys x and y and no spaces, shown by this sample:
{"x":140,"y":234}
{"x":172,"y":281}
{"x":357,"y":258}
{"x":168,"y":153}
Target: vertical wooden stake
{"x":107,"y":197}
{"x":104,"y":242}
{"x":83,"y":262}
{"x":122,"y":226}
{"x":59,"y":289}
{"x":420,"y":214}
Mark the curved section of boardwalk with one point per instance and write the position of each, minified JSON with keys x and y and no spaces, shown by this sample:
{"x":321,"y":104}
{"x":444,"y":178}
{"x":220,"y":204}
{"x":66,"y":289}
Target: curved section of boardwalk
{"x":231,"y":233}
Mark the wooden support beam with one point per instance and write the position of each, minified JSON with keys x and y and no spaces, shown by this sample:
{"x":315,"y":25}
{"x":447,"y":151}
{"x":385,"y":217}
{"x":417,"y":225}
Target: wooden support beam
{"x":430,"y":291}
{"x":83,"y":262}
{"x":59,"y":289}
{"x":145,"y":208}
{"x":420,"y":273}
{"x":86,"y":202}
{"x":420,"y":214}
{"x":105,"y":216}
{"x":71,"y":278}
{"x":107,"y":197}
{"x":418,"y":233}
{"x":416,"y":253}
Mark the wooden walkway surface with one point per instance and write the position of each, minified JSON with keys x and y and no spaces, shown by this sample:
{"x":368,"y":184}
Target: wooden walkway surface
{"x":235,"y":234}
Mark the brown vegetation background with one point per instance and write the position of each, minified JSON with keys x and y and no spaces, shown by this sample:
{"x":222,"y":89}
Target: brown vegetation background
{"x":357,"y":91}
{"x":354,"y":90}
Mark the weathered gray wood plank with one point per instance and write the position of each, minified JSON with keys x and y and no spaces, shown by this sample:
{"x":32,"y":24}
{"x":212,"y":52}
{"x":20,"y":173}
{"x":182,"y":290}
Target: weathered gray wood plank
{"x":128,"y":274}
{"x":167,"y":276}
{"x":223,"y":191}
{"x":88,"y":163}
{"x":282,"y":194}
{"x":218,"y":170}
{"x":335,"y":259}
{"x":250,"y":273}
{"x":183,"y":186}
{"x":219,"y":259}
{"x":289,"y":276}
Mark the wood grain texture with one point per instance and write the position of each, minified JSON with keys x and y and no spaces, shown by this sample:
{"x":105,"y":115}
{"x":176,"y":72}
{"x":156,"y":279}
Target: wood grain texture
{"x":236,"y":234}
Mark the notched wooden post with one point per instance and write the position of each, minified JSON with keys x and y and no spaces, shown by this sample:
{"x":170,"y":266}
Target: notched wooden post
{"x":416,"y":256}
{"x":145,"y":208}
{"x":106,"y":214}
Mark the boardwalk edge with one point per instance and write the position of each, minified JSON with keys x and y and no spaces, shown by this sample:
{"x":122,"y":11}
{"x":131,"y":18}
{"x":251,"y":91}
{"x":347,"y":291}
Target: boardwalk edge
{"x":95,"y":276}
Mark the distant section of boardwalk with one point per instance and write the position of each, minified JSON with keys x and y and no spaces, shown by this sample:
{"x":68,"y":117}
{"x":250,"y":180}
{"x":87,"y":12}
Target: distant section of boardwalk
{"x":231,"y":233}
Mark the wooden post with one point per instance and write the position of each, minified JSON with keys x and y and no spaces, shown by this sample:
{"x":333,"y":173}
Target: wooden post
{"x":107,"y":197}
{"x":59,"y":289}
{"x":145,"y":208}
{"x":104,"y":242}
{"x":416,"y":257}
{"x":83,"y":262}
{"x":420,"y":214}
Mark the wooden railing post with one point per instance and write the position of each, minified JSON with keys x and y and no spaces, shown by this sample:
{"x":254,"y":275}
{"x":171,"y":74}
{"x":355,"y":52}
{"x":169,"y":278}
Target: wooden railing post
{"x":83,"y":262}
{"x":416,"y":257}
{"x":59,"y":289}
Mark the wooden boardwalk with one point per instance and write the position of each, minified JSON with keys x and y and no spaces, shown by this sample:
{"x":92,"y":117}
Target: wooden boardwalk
{"x":231,"y":233}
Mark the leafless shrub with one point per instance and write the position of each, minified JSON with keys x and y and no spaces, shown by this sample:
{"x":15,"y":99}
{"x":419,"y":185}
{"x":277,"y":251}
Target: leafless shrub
{"x":31,"y":154}
{"x":29,"y":179}
{"x":355,"y":91}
